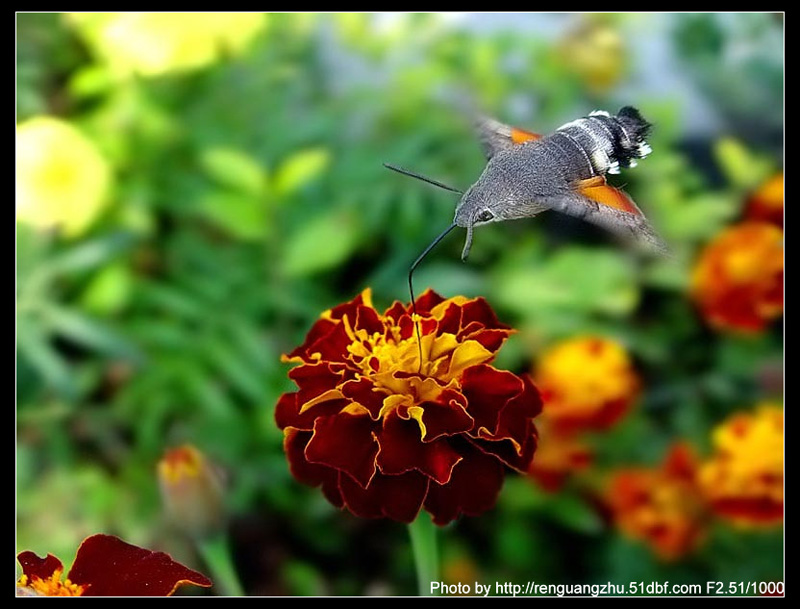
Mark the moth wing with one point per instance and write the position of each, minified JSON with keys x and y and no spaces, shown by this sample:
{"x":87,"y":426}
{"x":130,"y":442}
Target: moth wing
{"x":612,"y":209}
{"x":496,"y":136}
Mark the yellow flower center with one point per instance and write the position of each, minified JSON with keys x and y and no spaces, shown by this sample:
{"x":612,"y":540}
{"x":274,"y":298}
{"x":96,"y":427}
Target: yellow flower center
{"x":52,"y":586}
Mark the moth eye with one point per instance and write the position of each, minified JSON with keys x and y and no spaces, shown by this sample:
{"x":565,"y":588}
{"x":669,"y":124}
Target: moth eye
{"x":485,"y":216}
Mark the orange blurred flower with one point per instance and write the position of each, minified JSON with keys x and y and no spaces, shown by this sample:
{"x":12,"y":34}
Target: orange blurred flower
{"x":106,"y":566}
{"x":737,"y":283}
{"x":743,"y":479}
{"x":559,"y":454}
{"x":386,"y":435}
{"x":766,"y":203}
{"x":192,"y":491}
{"x":661,"y":506}
{"x":586,"y":382}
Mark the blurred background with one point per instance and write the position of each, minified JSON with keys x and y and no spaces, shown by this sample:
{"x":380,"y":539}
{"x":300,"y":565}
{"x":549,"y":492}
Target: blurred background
{"x":193,"y":190}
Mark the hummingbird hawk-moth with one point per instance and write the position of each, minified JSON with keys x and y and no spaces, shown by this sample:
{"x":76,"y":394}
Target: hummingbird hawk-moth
{"x":527,"y":173}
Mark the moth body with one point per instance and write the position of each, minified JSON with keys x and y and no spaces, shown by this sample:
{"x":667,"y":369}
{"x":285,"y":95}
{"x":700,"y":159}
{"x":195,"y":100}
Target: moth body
{"x":527,"y":173}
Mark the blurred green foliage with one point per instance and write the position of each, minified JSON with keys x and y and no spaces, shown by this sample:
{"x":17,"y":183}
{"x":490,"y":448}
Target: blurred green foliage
{"x":249,"y":196}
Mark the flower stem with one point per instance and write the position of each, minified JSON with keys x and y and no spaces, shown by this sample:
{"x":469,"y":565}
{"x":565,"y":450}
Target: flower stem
{"x":426,"y":559}
{"x":215,"y":550}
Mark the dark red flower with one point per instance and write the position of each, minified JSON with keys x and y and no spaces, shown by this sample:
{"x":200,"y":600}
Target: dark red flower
{"x":106,"y":566}
{"x":384,"y":435}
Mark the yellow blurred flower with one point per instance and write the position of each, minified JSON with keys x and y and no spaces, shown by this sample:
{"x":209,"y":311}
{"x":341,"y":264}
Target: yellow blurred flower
{"x":737,"y":282}
{"x":586,"y":382}
{"x":62,"y":178}
{"x":595,"y":52}
{"x":153,"y":44}
{"x":661,"y":506}
{"x":743,"y":479}
{"x":192,"y":491}
{"x":766,"y":203}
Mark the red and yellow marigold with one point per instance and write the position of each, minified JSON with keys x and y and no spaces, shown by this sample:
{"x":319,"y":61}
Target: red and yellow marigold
{"x":385,"y":434}
{"x":766,"y":203}
{"x":743,"y":479}
{"x":106,"y":566}
{"x":737,"y":283}
{"x":661,"y":506}
{"x":586,"y":382}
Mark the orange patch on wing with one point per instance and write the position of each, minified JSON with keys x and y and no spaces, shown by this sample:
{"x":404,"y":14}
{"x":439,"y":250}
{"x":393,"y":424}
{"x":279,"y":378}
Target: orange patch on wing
{"x":520,"y":136}
{"x":599,"y":191}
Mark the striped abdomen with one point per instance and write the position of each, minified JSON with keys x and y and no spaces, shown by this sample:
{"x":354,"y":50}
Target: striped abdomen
{"x":608,"y":142}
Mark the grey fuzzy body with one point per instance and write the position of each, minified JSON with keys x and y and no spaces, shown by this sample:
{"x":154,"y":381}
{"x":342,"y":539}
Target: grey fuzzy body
{"x":517,"y":181}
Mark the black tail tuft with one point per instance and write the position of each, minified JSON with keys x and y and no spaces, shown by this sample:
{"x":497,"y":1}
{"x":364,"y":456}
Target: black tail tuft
{"x":634,"y":122}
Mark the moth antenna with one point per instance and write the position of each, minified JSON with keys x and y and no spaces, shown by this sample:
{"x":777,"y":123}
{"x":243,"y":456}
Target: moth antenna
{"x":411,"y":270}
{"x":418,"y":176}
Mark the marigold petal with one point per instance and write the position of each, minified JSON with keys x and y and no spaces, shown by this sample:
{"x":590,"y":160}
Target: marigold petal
{"x":367,"y":319}
{"x":450,"y":318}
{"x":487,"y":390}
{"x":467,"y":354}
{"x":313,"y":379}
{"x":345,"y":442}
{"x":397,"y":497}
{"x":402,"y":450}
{"x":427,"y":301}
{"x":312,"y":474}
{"x":478,"y":310}
{"x":473,"y":488}
{"x":446,"y":416}
{"x":43,"y":568}
{"x":325,"y":396}
{"x":396,"y":311}
{"x":318,"y":331}
{"x":108,"y":566}
{"x":349,"y":308}
{"x":442,"y":345}
{"x":515,"y":437}
{"x":408,"y":328}
{"x":492,"y":340}
{"x":364,"y":392}
{"x":287,"y":411}
{"x":332,"y":347}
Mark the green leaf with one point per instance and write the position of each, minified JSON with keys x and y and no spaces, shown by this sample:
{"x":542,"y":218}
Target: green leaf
{"x":574,"y":513}
{"x":89,"y":254}
{"x":322,"y":244}
{"x":303,"y":579}
{"x":34,"y":345}
{"x":299,"y":169}
{"x":742,"y":167}
{"x":701,"y":216}
{"x":243,"y":216}
{"x":109,"y":290}
{"x":235,"y":169}
{"x":579,"y":279}
{"x":86,"y":332}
